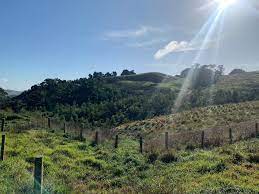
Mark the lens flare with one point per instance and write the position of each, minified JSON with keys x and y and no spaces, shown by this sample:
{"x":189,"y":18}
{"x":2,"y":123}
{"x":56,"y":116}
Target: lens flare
{"x":223,"y":4}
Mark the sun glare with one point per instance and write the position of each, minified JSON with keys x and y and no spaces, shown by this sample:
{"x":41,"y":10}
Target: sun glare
{"x":223,"y":4}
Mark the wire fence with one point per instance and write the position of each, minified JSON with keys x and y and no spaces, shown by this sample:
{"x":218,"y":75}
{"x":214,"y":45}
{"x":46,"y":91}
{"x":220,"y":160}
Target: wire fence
{"x":190,"y":139}
{"x":211,"y":137}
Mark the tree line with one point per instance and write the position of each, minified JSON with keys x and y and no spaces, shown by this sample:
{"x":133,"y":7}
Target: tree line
{"x":110,"y":100}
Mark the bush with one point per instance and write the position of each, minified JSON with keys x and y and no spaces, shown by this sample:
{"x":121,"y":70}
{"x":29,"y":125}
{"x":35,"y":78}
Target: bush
{"x":168,"y":157}
{"x":237,"y":158}
{"x":93,"y":162}
{"x":152,"y":157}
{"x":254,"y":158}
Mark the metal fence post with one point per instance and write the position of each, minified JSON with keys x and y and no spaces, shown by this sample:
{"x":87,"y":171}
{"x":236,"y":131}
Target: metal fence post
{"x":38,"y":175}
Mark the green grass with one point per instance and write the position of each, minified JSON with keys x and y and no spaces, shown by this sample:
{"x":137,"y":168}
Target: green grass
{"x":72,"y":166}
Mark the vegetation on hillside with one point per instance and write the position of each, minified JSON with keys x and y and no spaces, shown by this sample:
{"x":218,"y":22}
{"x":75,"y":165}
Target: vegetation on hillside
{"x":3,"y":96}
{"x":110,"y":100}
{"x":98,"y":100}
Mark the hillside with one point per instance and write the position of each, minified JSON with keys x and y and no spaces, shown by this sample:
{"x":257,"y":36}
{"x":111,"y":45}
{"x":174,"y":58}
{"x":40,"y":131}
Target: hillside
{"x":110,"y":100}
{"x":100,"y":100}
{"x":196,"y":119}
{"x":13,"y":93}
{"x":246,"y":80}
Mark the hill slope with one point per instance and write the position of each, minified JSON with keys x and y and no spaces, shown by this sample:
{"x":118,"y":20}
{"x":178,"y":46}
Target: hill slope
{"x":246,"y":80}
{"x":100,"y":101}
{"x":13,"y":93}
{"x":197,"y":119}
{"x":112,"y":100}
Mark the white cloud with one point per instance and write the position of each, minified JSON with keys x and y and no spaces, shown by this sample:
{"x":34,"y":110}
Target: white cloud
{"x":4,"y":80}
{"x":3,"y":83}
{"x":183,"y":46}
{"x":142,"y":31}
{"x":147,"y":43}
{"x":172,"y":47}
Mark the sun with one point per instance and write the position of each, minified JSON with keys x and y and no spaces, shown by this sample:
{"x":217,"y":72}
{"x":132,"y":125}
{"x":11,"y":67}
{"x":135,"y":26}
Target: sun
{"x":223,"y":4}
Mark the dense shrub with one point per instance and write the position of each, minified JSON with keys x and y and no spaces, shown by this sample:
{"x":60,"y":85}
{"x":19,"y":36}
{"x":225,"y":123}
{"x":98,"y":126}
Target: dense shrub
{"x":152,"y":157}
{"x":254,"y":158}
{"x":168,"y":157}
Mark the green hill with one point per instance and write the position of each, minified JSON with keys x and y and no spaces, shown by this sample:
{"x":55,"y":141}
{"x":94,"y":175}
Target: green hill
{"x":110,"y":100}
{"x":154,"y":77}
{"x":13,"y":93}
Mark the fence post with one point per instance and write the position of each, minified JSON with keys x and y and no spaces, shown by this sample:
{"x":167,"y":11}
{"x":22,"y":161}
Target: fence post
{"x":49,"y":125}
{"x":38,"y":175}
{"x":230,"y":136}
{"x":141,"y":144}
{"x":64,"y":127}
{"x":2,"y":127}
{"x":202,"y":138}
{"x":2,"y":148}
{"x":256,"y":130}
{"x":116,"y":141}
{"x":81,"y":134}
{"x":166,"y":140}
{"x":96,"y":141}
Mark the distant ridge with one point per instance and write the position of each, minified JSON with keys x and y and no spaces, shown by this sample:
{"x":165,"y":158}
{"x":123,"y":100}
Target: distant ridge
{"x":13,"y":93}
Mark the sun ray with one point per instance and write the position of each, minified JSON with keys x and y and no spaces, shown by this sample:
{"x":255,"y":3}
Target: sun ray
{"x":208,"y":29}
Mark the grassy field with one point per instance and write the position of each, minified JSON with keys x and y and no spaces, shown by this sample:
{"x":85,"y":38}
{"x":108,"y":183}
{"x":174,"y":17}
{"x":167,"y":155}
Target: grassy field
{"x":78,"y":167}
{"x":71,"y":166}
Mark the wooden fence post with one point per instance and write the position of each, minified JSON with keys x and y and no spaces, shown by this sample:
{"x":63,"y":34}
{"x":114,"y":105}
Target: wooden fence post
{"x":81,"y":134}
{"x":166,"y":140}
{"x":38,"y":175}
{"x":256,"y":130}
{"x":202,"y":139}
{"x":230,"y":136}
{"x":116,"y":141}
{"x":96,"y":141}
{"x":2,"y":127}
{"x":141,"y":144}
{"x":64,"y":127}
{"x":2,"y":148}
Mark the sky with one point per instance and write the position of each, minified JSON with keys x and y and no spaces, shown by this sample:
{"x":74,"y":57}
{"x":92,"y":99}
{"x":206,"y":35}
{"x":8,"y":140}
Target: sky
{"x":68,"y":39}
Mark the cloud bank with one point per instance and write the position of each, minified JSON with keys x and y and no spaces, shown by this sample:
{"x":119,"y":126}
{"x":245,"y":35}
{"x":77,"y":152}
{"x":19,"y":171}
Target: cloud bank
{"x":172,"y":47}
{"x":183,"y":46}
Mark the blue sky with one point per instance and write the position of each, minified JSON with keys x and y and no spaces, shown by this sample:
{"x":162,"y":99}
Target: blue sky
{"x":69,"y":39}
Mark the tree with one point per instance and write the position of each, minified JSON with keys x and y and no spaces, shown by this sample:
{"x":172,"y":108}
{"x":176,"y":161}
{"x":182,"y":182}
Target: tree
{"x":185,"y":72}
{"x":2,"y":92}
{"x":108,"y":74}
{"x":127,"y":72}
{"x":114,"y":73}
{"x":206,"y":75}
{"x":237,"y":71}
{"x":3,"y":95}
